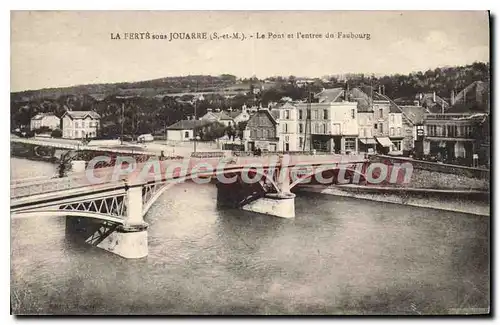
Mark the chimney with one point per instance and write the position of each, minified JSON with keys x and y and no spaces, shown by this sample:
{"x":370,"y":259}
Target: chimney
{"x":434,"y":97}
{"x":452,"y":97}
{"x":244,"y":108}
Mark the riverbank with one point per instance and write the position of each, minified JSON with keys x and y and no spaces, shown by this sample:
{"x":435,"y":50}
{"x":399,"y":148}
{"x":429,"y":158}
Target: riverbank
{"x":471,"y":202}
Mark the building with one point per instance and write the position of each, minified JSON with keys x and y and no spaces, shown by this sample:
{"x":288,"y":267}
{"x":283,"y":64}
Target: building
{"x":462,"y":133}
{"x":217,"y":116}
{"x":366,"y":141}
{"x":380,"y":121}
{"x":262,"y":132}
{"x":48,"y":120}
{"x":413,"y":120}
{"x":238,"y":116}
{"x":80,"y":124}
{"x":185,"y":130}
{"x":432,"y":102}
{"x":286,"y":117}
{"x":329,"y":124}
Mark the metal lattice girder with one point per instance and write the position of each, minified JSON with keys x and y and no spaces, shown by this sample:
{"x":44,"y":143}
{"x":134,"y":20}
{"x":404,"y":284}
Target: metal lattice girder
{"x":105,"y":229}
{"x":114,"y":206}
{"x":149,"y":190}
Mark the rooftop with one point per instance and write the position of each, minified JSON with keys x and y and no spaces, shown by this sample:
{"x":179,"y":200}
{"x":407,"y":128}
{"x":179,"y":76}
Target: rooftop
{"x":39,"y":116}
{"x":82,"y":114}
{"x":187,"y":125}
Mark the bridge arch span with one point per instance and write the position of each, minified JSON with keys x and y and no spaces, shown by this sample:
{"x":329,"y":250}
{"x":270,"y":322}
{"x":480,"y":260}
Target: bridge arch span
{"x":166,"y":184}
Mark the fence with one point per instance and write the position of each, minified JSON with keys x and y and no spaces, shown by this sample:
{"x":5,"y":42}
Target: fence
{"x":277,"y":153}
{"x":479,"y":173}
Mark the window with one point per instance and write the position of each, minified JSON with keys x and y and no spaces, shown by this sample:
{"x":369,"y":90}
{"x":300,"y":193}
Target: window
{"x":353,"y":113}
{"x":397,"y":145}
{"x":316,"y":128}
{"x":300,"y":114}
{"x":381,"y":113}
{"x":452,"y":131}
{"x":253,"y":133}
{"x":325,"y":114}
{"x":315,"y":114}
{"x":301,"y":128}
{"x":375,"y":126}
{"x":399,"y":131}
{"x":265,"y":133}
{"x":381,"y":127}
{"x":83,"y":124}
{"x":364,"y":133}
{"x":301,"y":142}
{"x":77,"y":125}
{"x":287,"y":114}
{"x":285,"y":128}
{"x":392,"y":118}
{"x":392,"y":132}
{"x":433,"y":130}
{"x":309,"y":114}
{"x":186,"y":134}
{"x":324,"y":128}
{"x":350,"y":144}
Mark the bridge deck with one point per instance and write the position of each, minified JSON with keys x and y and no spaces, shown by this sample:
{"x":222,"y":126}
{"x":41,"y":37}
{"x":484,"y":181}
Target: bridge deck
{"x":38,"y":187}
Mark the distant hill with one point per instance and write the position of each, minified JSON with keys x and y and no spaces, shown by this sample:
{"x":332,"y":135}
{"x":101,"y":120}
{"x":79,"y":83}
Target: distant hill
{"x":148,"y":88}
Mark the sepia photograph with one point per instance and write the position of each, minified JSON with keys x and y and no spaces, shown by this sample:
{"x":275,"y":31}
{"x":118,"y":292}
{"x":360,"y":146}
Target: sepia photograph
{"x":250,"y":163}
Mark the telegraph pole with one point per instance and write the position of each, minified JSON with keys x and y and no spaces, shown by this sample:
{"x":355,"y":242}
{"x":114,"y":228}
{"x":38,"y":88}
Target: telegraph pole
{"x":122,"y":121}
{"x":194,"y":123}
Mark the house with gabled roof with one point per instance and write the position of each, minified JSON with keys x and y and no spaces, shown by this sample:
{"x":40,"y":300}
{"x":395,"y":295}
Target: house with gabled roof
{"x":185,"y":130}
{"x":48,"y":120}
{"x":262,"y":131}
{"x":80,"y":124}
{"x":217,"y":116}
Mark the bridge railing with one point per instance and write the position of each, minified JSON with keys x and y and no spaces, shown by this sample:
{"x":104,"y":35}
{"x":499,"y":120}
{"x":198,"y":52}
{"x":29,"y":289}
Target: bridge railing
{"x":28,"y":187}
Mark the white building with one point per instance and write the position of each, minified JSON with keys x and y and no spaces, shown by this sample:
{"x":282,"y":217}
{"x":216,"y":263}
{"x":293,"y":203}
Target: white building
{"x":184,"y":130}
{"x":286,"y":116}
{"x":80,"y":124}
{"x":396,"y":129}
{"x":45,"y":120}
{"x":332,"y":123}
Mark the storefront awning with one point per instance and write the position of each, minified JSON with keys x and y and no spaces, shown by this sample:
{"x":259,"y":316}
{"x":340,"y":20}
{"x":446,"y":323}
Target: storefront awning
{"x":384,"y":142}
{"x":367,"y":140}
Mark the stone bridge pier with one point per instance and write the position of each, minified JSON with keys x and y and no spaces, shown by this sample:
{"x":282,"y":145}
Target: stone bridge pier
{"x":130,"y":240}
{"x":257,"y":197}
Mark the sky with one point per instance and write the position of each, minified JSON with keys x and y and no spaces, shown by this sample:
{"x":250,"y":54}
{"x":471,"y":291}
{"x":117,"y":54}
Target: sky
{"x":66,"y":48}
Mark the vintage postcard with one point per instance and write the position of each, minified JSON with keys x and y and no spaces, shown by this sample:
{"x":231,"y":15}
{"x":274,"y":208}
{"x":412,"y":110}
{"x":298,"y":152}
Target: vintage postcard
{"x":250,"y":163}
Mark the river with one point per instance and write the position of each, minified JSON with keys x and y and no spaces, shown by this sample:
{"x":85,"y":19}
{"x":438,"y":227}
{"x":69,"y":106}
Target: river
{"x":338,"y":256}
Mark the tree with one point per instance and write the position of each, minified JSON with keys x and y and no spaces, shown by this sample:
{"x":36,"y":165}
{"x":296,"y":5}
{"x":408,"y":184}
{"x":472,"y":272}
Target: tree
{"x":64,"y":165}
{"x":241,"y":128}
{"x":213,"y":131}
{"x":56,"y":133}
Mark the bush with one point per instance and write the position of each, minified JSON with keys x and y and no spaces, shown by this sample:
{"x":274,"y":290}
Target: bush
{"x":43,"y":129}
{"x":56,"y":133}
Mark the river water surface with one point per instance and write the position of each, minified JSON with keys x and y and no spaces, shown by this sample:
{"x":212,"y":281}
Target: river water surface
{"x":339,"y":255}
